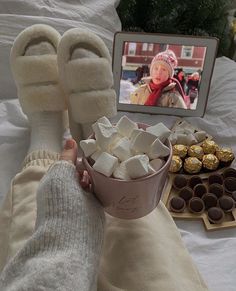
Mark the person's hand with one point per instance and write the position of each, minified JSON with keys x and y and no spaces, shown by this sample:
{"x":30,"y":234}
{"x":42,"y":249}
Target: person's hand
{"x":69,"y":154}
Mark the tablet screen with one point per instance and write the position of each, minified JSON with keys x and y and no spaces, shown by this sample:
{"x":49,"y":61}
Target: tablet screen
{"x":161,"y":74}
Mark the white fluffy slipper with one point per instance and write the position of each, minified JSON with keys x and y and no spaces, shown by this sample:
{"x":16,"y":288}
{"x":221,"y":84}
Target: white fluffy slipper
{"x":36,"y":76}
{"x":86,"y":79}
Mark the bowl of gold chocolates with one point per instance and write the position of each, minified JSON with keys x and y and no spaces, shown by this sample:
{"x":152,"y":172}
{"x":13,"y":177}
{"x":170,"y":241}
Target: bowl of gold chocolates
{"x":202,"y":158}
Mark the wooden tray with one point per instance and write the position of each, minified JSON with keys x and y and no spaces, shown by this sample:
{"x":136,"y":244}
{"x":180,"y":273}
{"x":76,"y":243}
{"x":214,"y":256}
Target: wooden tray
{"x":230,"y":218}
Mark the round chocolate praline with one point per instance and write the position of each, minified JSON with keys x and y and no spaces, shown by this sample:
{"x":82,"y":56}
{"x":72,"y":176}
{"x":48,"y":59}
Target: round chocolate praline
{"x":229,"y":172}
{"x":226,"y":203}
{"x":230,"y":184}
{"x":180,"y":182}
{"x":215,"y":215}
{"x":199,"y":190}
{"x":210,"y":162}
{"x":216,"y":189}
{"x":186,"y":193}
{"x":192,"y":165}
{"x":210,"y":200}
{"x":215,"y":178}
{"x":196,"y":205}
{"x":177,"y":204}
{"x":176,"y":164}
{"x":194,"y":180}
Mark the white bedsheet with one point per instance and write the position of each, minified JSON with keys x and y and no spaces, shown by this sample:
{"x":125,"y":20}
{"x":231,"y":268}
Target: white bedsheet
{"x":213,"y":252}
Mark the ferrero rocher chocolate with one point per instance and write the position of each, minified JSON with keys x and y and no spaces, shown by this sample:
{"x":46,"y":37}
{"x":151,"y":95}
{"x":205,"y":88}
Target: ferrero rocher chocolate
{"x":180,"y":150}
{"x":209,"y":146}
{"x":196,"y":151}
{"x":210,"y":162}
{"x":176,"y":164}
{"x":225,"y":155}
{"x":192,"y":165}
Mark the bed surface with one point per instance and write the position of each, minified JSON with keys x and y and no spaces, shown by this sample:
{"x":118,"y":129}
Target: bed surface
{"x":213,"y":252}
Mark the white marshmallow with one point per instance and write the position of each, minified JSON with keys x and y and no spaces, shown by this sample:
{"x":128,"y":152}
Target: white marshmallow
{"x":200,"y":135}
{"x":104,"y":134}
{"x":96,"y":154}
{"x":179,"y":130}
{"x":137,"y":166}
{"x":188,"y":131}
{"x":104,"y":120}
{"x":89,"y":146}
{"x":173,"y":138}
{"x":105,"y":164}
{"x":134,"y":133}
{"x":122,"y":149}
{"x":125,"y":126}
{"x":182,"y":139}
{"x":142,"y":142}
{"x":191,"y":139}
{"x":158,"y":150}
{"x":183,"y":124}
{"x":157,"y":164}
{"x":160,"y":131}
{"x":121,"y":172}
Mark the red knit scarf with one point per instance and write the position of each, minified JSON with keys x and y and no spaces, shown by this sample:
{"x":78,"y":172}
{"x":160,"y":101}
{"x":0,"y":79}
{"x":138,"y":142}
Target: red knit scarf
{"x":156,"y":92}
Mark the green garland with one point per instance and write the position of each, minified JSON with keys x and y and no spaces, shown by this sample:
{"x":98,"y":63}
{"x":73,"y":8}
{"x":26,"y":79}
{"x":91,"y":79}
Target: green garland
{"x":197,"y":17}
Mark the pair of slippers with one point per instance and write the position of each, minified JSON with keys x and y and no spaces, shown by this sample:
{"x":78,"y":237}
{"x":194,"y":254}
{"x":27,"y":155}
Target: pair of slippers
{"x":74,"y":74}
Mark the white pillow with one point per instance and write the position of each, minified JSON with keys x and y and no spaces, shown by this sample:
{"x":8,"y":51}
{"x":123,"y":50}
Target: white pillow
{"x":99,"y":17}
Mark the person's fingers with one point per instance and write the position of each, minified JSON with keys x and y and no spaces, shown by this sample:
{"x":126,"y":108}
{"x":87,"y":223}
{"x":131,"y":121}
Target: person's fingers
{"x":80,"y":166}
{"x":69,"y":152}
{"x":84,"y":180}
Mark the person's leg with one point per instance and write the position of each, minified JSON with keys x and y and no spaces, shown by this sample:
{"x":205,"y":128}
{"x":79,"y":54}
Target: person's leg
{"x":34,"y":50}
{"x":146,"y":254}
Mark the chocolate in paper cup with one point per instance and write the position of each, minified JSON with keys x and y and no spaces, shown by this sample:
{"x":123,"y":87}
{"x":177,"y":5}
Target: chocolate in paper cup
{"x":130,"y":199}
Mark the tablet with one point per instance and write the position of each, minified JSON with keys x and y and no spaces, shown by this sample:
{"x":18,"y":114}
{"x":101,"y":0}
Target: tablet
{"x":163,"y":74}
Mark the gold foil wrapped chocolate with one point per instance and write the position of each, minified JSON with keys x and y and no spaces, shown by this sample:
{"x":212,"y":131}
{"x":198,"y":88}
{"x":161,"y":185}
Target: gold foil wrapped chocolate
{"x":225,"y":155}
{"x":176,"y":164}
{"x":196,"y":151}
{"x":180,"y":150}
{"x":210,"y":162}
{"x":209,"y":146}
{"x":192,"y":165}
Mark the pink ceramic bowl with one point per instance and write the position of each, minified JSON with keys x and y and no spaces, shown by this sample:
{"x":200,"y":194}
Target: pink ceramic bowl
{"x":129,"y":199}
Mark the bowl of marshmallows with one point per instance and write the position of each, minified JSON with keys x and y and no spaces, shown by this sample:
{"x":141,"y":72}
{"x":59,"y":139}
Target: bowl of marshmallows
{"x":128,"y":165}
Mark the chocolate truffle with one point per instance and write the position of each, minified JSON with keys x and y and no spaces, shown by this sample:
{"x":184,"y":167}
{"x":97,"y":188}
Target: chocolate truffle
{"x":177,"y":204}
{"x":180,"y":150}
{"x":194,"y":180}
{"x":215,"y":215}
{"x":225,"y":155}
{"x":230,"y":184}
{"x":216,"y":189}
{"x":199,"y":190}
{"x":226,"y":203}
{"x":215,"y":178}
{"x":192,"y":165}
{"x":229,"y":172}
{"x":186,"y":193}
{"x":176,"y":164}
{"x":196,"y":151}
{"x":196,"y":205}
{"x":210,"y":162}
{"x":210,"y":200}
{"x":209,"y":146}
{"x":180,"y":182}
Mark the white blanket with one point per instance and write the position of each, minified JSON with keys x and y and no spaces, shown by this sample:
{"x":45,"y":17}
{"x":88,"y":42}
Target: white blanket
{"x":213,"y":252}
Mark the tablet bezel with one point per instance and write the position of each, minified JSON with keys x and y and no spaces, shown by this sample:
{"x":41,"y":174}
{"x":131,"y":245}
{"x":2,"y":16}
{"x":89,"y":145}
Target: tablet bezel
{"x":211,"y":44}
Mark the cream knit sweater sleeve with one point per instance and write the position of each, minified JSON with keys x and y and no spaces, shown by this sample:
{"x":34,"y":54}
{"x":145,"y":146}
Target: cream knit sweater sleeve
{"x":64,"y":251}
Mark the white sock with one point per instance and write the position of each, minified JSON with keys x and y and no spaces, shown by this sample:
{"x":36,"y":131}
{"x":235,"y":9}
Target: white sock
{"x":46,"y":131}
{"x":46,"y":126}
